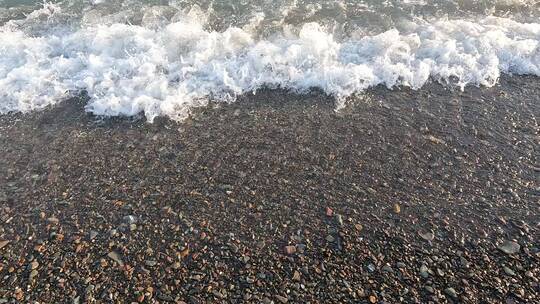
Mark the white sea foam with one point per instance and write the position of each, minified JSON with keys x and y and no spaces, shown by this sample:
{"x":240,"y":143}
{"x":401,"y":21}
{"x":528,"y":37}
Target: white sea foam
{"x":168,"y":69}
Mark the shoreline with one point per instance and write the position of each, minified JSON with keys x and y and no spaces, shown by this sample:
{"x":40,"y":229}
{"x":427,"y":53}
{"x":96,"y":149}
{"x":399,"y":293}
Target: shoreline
{"x":404,"y":196}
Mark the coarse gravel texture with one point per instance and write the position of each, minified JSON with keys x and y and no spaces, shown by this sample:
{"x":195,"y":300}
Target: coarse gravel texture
{"x":403,"y":196}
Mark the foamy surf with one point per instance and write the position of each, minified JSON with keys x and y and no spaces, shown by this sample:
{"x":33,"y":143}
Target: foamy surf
{"x":168,"y":66}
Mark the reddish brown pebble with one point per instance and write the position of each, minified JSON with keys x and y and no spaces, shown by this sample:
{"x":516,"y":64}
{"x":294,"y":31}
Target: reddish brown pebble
{"x":329,"y":211}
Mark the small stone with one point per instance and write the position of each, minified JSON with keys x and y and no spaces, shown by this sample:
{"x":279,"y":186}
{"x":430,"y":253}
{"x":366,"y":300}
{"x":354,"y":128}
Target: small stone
{"x":371,"y":190}
{"x":464,"y":262}
{"x":400,"y":265}
{"x":93,"y":234}
{"x":329,"y":211}
{"x":184,"y":253}
{"x":296,"y":276}
{"x":387,"y":268}
{"x":397,"y":209}
{"x":130,"y":219}
{"x":34,"y":265}
{"x":116,"y":257}
{"x":509,"y":247}
{"x":359,"y":227}
{"x":372,"y":299}
{"x":150,"y":263}
{"x":429,"y":289}
{"x":451,"y":292}
{"x":435,"y":140}
{"x":330,"y":238}
{"x":3,"y":243}
{"x":32,"y":275}
{"x":132,"y":227}
{"x":53,"y":220}
{"x":197,"y":277}
{"x":424,"y":271}
{"x":19,"y":294}
{"x":282,"y":299}
{"x":339,"y":219}
{"x":56,"y":236}
{"x":218,"y":294}
{"x":509,"y":271}
{"x":290,"y":249}
{"x":428,"y":236}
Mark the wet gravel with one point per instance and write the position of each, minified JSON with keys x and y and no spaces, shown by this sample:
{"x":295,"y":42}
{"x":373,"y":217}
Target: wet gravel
{"x":404,"y":196}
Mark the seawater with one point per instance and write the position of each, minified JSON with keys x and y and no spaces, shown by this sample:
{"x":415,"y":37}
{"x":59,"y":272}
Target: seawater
{"x":164,"y":58}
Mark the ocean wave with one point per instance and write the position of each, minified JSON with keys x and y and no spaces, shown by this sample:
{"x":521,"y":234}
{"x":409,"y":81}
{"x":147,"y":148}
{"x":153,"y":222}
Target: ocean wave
{"x":167,"y":69}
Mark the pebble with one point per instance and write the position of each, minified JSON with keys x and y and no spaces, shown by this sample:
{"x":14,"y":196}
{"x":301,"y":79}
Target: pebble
{"x":290,"y":249}
{"x":296,"y":276}
{"x":53,"y":220}
{"x":387,"y":268}
{"x":339,"y":219}
{"x":150,"y":263}
{"x":435,"y":140}
{"x":424,"y":271}
{"x":429,"y":289}
{"x":401,"y":265}
{"x":32,"y":275}
{"x":130,"y":219}
{"x":397,"y":209}
{"x":116,"y":257}
{"x":329,"y":211}
{"x":218,"y":294}
{"x":451,"y":292}
{"x":93,"y":234}
{"x":330,"y":238}
{"x":372,"y":299}
{"x":282,"y":299}
{"x":509,"y":247}
{"x":428,"y":236}
{"x":3,"y":244}
{"x":301,"y":248}
{"x":34,"y":265}
{"x":359,"y":227}
{"x":509,"y":271}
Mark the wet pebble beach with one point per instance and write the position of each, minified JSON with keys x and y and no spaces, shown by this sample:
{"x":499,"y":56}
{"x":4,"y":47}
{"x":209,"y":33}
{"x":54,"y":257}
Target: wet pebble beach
{"x":429,"y":196}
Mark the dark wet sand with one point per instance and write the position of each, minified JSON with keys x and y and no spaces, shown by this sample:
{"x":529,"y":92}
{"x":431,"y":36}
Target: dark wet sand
{"x":404,"y":196}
